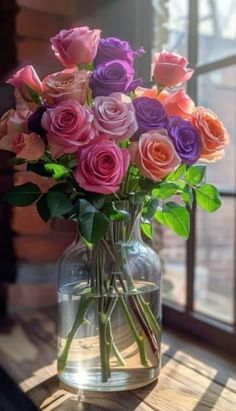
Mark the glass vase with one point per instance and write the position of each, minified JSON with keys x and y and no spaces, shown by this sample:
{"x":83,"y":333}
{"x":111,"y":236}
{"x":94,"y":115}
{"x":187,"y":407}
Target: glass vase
{"x":109,"y":309}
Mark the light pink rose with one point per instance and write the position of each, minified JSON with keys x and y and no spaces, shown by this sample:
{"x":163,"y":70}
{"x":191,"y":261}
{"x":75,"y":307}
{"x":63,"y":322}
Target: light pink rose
{"x":26,"y":79}
{"x":13,"y":122}
{"x":114,"y":116}
{"x":27,"y":146}
{"x":76,"y":46}
{"x":169,"y":69}
{"x":69,"y":83}
{"x":101,"y":166}
{"x":154,"y":154}
{"x":68,"y":126}
{"x":177,"y":103}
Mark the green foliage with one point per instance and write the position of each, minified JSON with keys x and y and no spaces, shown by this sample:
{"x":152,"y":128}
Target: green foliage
{"x":23,"y":195}
{"x":195,"y":174}
{"x":43,"y":209}
{"x":208,"y":198}
{"x":187,"y":195}
{"x":176,"y":174}
{"x":58,"y":203}
{"x":175,"y":217}
{"x":38,"y":168}
{"x":57,"y":171}
{"x":165,"y":190}
{"x":147,"y":229}
{"x":150,"y":208}
{"x":93,"y":224}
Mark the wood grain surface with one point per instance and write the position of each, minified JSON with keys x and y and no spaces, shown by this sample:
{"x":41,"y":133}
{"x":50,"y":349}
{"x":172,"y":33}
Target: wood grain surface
{"x":192,"y":377}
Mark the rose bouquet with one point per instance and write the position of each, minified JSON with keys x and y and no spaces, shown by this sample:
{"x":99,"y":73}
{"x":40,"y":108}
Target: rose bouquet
{"x":100,"y":138}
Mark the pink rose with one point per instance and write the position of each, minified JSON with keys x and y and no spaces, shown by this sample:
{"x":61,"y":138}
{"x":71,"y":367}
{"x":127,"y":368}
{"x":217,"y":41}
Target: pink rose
{"x":27,"y":146}
{"x":114,"y":116}
{"x":27,"y":82}
{"x":102,"y":165}
{"x":68,"y":126}
{"x":169,"y":69}
{"x":13,"y":122}
{"x":177,"y":103}
{"x":76,"y":46}
{"x":154,"y":154}
{"x":69,"y":83}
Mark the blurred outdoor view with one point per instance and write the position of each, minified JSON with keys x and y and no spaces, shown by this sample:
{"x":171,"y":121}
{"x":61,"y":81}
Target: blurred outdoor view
{"x":216,"y":88}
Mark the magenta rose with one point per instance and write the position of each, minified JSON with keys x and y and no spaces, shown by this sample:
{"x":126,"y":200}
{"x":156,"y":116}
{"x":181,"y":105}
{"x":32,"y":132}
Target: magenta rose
{"x":101,"y":166}
{"x":114,"y":116}
{"x":27,"y":82}
{"x":68,"y":126}
{"x":76,"y":46}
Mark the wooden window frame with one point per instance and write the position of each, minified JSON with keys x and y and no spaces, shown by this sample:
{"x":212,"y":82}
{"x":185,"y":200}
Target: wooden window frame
{"x":185,"y":318}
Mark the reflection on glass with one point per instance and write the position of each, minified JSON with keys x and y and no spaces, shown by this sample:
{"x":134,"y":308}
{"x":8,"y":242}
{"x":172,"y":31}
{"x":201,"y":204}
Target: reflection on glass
{"x":217,"y":29}
{"x":214,"y":281}
{"x":217,"y":90}
{"x":172,"y":251}
{"x":170,"y":25}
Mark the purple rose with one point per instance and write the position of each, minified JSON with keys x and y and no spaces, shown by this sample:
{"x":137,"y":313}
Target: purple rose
{"x":34,"y":121}
{"x":150,"y":115}
{"x":113,"y":76}
{"x":112,"y":48}
{"x":185,"y":139}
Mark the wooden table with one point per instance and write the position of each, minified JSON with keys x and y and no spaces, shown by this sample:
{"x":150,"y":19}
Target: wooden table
{"x":192,"y":377}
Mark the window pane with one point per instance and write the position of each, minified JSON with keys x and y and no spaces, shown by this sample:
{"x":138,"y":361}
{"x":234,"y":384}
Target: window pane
{"x":172,"y":251}
{"x":217,"y":90}
{"x":170,"y":25}
{"x":215,"y":262}
{"x":217,"y":29}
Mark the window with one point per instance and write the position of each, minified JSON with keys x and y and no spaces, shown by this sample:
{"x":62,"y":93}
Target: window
{"x":199,"y":275}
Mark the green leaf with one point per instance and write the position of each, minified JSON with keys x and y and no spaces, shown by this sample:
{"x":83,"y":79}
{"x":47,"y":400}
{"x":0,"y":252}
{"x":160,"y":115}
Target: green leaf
{"x":208,"y":198}
{"x":146,"y":184}
{"x":187,"y":195}
{"x":58,"y":203}
{"x":66,"y":187}
{"x":93,"y":224}
{"x":42,"y":208}
{"x":176,"y":174}
{"x":147,"y":230}
{"x":165,"y":190}
{"x":175,"y":217}
{"x":114,"y":214}
{"x":57,"y":171}
{"x":195,"y":174}
{"x":23,"y":195}
{"x":150,"y":208}
{"x":38,"y":168}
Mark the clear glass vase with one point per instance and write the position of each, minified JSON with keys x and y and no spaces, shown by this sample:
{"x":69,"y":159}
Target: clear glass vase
{"x":109,"y":310}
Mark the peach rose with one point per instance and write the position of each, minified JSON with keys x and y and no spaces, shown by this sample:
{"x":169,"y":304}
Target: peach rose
{"x":177,"y":103}
{"x":27,"y":82}
{"x":154,"y":154}
{"x":27,"y":146}
{"x":13,"y":122}
{"x":146,"y":92}
{"x":69,"y":83}
{"x":169,"y":69}
{"x":213,"y":134}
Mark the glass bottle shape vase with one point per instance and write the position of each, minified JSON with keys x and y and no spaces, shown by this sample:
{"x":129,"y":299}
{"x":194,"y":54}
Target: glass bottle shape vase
{"x":109,"y":310}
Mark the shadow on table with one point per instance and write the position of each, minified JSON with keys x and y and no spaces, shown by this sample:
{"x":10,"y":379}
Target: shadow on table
{"x":11,"y":397}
